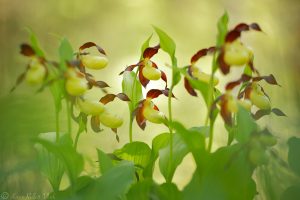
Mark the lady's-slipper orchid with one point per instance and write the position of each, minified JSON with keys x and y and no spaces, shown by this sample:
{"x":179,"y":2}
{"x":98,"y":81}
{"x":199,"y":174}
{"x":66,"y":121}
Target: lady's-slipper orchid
{"x":90,"y":107}
{"x":76,"y":83}
{"x":234,"y":52}
{"x":147,"y":69}
{"x":36,"y":71}
{"x":195,"y":73}
{"x":147,"y":110}
{"x":92,"y":61}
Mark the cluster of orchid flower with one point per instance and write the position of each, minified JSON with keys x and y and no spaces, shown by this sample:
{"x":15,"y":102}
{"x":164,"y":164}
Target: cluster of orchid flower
{"x":148,"y":71}
{"x":234,"y":53}
{"x":76,"y":82}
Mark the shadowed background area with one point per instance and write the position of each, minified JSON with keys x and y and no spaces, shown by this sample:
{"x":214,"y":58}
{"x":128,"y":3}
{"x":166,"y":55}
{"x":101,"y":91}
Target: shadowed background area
{"x":120,"y":27}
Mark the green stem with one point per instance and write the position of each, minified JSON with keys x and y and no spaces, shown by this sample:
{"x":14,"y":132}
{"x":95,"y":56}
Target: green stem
{"x":209,"y":103}
{"x":57,"y":125}
{"x":132,"y":107}
{"x":76,"y":139}
{"x":130,"y":127}
{"x":69,"y":116}
{"x":211,"y":136}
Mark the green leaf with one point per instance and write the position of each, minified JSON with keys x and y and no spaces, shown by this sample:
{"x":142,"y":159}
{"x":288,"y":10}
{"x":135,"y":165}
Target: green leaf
{"x":56,"y":90}
{"x":245,"y":125}
{"x":225,"y":175}
{"x":142,"y":190}
{"x":167,"y":165}
{"x":132,"y":88}
{"x":145,"y":45}
{"x":166,"y":42}
{"x":194,"y":140}
{"x":112,"y":185}
{"x":159,"y":142}
{"x":148,"y":189}
{"x":105,"y":162}
{"x":137,"y":152}
{"x":65,"y":152}
{"x":222,"y":29}
{"x":65,"y":50}
{"x":65,"y":53}
{"x":291,"y":193}
{"x":293,"y":155}
{"x":35,"y":43}
{"x":49,"y":164}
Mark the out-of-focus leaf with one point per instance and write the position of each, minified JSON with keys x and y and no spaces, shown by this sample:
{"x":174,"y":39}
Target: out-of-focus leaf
{"x":49,"y":164}
{"x":166,"y":42}
{"x":168,"y":191}
{"x":112,"y":185}
{"x":168,"y":165}
{"x":132,"y":88}
{"x":105,"y":162}
{"x":194,"y":140}
{"x":245,"y":125}
{"x":222,"y":29}
{"x":137,"y":152}
{"x":293,"y":156}
{"x":159,"y":142}
{"x":65,"y":52}
{"x":145,"y":45}
{"x":35,"y":43}
{"x":65,"y":152}
{"x":291,"y":193}
{"x":225,"y":175}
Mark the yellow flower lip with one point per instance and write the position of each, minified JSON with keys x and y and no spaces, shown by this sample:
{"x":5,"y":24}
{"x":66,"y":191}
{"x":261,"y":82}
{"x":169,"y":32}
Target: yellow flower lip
{"x":258,"y":98}
{"x":202,"y":76}
{"x":76,"y":86}
{"x":110,"y":120}
{"x":90,"y":107}
{"x":151,"y":114}
{"x":236,"y":54}
{"x":36,"y":72}
{"x":94,"y":62}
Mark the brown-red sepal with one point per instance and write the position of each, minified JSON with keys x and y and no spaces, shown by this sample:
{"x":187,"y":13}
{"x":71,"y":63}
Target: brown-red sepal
{"x":269,"y":79}
{"x":138,"y":112}
{"x":110,"y":97}
{"x":27,"y":50}
{"x":95,"y":124}
{"x":201,"y":53}
{"x":189,"y":88}
{"x":154,"y":93}
{"x":150,"y":51}
{"x":222,"y":65}
{"x":233,"y":84}
{"x":92,"y":44}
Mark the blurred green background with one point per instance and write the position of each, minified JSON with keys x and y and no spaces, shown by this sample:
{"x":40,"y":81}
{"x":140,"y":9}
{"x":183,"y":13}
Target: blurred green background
{"x":120,"y":27}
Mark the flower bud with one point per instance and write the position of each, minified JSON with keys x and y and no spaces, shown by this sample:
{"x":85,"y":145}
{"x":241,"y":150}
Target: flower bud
{"x":76,"y":86}
{"x":94,"y":62}
{"x":110,"y":120}
{"x":151,"y":114}
{"x":90,"y":107}
{"x":236,"y":54}
{"x":36,"y":73}
{"x":150,"y":72}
